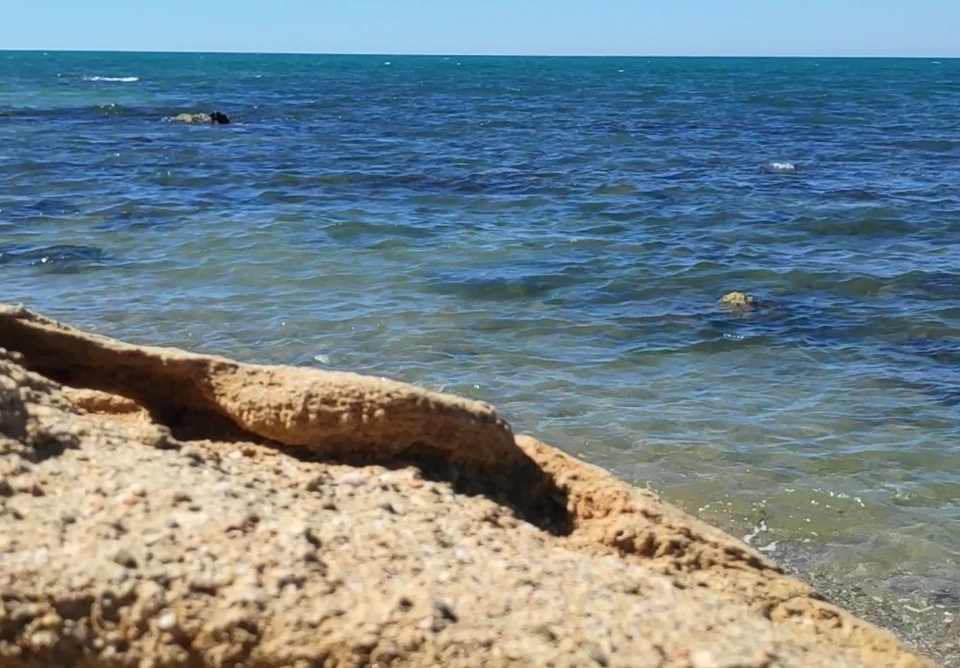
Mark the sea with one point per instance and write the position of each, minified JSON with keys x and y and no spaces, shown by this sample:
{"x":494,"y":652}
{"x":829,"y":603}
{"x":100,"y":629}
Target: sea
{"x":553,"y":236}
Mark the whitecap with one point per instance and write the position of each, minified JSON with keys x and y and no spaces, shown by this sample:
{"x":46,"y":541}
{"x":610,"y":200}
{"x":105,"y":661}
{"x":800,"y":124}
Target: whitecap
{"x":113,"y":79}
{"x":782,"y":167}
{"x":387,"y":62}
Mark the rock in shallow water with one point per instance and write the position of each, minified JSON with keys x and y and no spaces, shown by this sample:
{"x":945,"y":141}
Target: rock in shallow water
{"x":739,"y":300}
{"x":216,"y":118}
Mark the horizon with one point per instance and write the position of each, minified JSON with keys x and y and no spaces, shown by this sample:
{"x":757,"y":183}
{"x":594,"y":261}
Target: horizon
{"x":561,"y":28}
{"x":387,"y":54}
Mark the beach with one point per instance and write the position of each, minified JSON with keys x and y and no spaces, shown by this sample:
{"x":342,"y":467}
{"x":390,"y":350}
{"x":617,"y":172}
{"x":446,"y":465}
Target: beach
{"x":551,"y":236}
{"x":168,"y":508}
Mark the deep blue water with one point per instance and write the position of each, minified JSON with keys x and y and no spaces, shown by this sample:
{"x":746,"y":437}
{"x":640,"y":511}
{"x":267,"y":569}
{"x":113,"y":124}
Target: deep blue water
{"x":551,"y":235}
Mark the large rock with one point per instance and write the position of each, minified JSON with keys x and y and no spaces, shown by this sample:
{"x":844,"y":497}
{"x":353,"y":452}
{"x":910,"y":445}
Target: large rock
{"x":160,"y":508}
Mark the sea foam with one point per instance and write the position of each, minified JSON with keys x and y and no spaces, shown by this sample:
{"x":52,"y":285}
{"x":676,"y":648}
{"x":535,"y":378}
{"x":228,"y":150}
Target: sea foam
{"x":114,"y":79}
{"x":782,"y":167}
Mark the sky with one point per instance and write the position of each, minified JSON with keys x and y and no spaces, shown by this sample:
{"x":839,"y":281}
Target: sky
{"x":929,"y":28}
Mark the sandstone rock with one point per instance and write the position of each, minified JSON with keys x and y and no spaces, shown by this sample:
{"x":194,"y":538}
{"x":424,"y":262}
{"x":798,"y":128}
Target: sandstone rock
{"x":216,"y":117}
{"x":739,"y":300}
{"x":192,"y":118}
{"x":268,"y":516}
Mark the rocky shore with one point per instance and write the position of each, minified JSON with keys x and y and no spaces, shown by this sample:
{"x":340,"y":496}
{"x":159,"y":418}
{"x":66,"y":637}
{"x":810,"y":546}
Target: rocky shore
{"x":161,"y":508}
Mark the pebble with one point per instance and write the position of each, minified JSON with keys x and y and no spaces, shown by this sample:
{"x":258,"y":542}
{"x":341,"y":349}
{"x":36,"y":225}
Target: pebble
{"x":316,"y":483}
{"x":354,"y":479}
{"x":43,"y":639}
{"x":50,"y":620}
{"x":125,"y":559}
{"x":595,"y":653}
{"x":703,"y":659}
{"x":167,"y":621}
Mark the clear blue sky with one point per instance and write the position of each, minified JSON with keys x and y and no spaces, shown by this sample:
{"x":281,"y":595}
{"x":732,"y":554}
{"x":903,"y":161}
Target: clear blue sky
{"x":641,"y":27}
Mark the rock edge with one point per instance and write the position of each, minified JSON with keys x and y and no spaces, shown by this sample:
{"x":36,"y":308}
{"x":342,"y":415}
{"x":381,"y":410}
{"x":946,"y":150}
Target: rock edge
{"x":170,"y":399}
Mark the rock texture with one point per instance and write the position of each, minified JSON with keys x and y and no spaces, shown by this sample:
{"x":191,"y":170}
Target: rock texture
{"x":216,"y":117}
{"x":739,"y":300}
{"x":159,"y":508}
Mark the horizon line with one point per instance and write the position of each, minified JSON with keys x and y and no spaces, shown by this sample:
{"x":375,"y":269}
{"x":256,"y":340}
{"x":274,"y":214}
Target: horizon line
{"x":504,"y":54}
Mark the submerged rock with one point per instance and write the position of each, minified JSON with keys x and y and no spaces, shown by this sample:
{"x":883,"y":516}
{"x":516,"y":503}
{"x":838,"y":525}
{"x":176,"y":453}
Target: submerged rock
{"x":192,"y":118}
{"x":739,"y":300}
{"x":176,"y":509}
{"x":216,"y":118}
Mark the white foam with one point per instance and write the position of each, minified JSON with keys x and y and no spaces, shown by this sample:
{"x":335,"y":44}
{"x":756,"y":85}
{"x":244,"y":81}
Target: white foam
{"x":782,"y":167}
{"x":114,"y":79}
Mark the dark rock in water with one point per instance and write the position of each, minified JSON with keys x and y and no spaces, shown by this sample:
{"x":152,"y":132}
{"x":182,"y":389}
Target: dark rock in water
{"x":219,"y":118}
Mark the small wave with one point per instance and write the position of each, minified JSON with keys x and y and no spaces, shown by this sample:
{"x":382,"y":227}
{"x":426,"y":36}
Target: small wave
{"x":59,"y":258}
{"x":782,"y":167}
{"x":113,"y":79}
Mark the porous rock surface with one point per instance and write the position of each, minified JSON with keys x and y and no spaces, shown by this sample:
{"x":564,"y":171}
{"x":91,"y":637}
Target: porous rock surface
{"x":738,"y":300}
{"x":160,"y":508}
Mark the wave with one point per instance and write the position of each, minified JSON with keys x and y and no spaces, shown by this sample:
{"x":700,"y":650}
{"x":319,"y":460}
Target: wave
{"x":782,"y":167}
{"x":59,"y":258}
{"x":113,"y":79}
{"x":78,"y":112}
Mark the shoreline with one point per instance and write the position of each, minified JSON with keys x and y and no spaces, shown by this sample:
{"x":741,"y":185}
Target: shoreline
{"x":308,"y":421}
{"x":919,"y":619}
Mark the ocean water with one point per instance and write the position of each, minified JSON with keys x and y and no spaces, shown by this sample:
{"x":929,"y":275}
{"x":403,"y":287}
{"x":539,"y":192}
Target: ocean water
{"x":552,"y":236}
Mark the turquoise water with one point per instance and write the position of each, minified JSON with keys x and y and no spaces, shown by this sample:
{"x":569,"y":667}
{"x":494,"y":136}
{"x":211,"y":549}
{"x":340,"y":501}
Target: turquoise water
{"x":552,"y":236}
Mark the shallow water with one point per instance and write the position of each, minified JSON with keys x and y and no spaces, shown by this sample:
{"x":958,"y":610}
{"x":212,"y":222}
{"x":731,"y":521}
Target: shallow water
{"x":550,"y":235}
